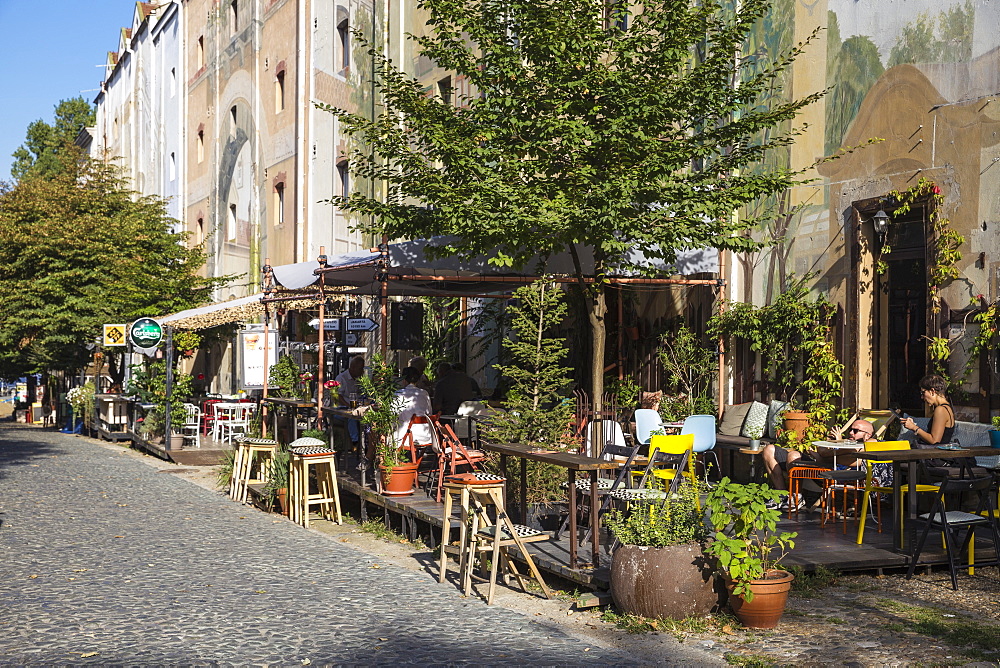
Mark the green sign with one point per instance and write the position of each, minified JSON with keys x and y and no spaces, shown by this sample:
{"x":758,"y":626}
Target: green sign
{"x":145,"y":333}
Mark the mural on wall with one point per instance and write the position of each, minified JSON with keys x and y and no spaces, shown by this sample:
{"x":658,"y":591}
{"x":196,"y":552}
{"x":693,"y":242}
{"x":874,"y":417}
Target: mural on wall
{"x":855,"y":63}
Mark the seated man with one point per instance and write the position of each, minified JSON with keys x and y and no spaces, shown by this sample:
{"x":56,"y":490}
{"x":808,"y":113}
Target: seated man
{"x":777,"y":460}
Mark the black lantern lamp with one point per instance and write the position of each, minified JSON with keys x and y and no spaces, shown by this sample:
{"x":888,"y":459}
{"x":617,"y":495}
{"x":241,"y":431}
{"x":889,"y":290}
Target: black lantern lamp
{"x":880,"y":221}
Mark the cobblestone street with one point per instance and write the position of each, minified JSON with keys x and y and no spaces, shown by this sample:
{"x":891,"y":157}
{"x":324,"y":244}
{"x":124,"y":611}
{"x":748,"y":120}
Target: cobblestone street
{"x":107,"y":560}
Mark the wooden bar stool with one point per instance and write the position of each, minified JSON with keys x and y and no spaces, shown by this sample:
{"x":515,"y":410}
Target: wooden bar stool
{"x":479,"y":535}
{"x":322,"y":459}
{"x":251,"y":453}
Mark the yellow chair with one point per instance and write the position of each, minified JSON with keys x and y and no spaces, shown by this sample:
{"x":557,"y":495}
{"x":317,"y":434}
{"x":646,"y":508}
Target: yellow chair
{"x":871,"y":487}
{"x":673,"y":444}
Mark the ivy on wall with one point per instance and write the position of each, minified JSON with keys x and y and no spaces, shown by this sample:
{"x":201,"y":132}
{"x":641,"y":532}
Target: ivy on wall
{"x":945,"y":253}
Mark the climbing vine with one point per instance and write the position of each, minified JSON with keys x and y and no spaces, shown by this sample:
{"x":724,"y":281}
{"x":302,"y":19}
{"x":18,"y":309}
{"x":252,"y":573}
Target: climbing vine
{"x":945,"y":254}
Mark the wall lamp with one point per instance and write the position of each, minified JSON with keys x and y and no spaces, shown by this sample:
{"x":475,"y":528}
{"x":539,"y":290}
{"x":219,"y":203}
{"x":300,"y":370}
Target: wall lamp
{"x":880,"y":221}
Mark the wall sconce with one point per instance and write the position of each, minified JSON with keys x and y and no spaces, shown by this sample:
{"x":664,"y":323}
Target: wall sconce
{"x":880,"y":221}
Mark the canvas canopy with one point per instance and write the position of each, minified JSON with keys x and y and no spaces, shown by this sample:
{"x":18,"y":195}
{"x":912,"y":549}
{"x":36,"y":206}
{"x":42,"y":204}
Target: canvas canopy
{"x":412,"y":273}
{"x":244,"y":309}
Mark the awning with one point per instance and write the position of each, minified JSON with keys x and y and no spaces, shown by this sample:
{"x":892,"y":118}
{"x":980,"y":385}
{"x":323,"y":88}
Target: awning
{"x":244,"y":309}
{"x":411,"y":273}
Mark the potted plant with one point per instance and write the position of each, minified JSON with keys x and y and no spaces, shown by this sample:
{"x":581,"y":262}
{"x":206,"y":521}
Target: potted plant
{"x":995,"y":432}
{"x":744,"y":546}
{"x":276,"y":487}
{"x":150,"y":386}
{"x":754,"y":433}
{"x":399,"y":475}
{"x":660,"y":569}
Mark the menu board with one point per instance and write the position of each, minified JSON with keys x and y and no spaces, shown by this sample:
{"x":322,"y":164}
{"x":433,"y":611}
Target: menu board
{"x":252,"y":347}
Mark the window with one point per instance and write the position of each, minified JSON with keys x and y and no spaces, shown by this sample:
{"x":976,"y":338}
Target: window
{"x":231,"y":223}
{"x":200,"y":145}
{"x":232,"y":121}
{"x":445,"y":90}
{"x":234,"y":16}
{"x":279,"y":204}
{"x":344,"y":172}
{"x":173,"y":81}
{"x":344,"y":33}
{"x":200,"y":231}
{"x":200,"y":54}
{"x":279,"y":92}
{"x":173,"y":166}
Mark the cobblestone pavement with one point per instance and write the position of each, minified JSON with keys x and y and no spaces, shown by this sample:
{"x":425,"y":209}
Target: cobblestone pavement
{"x":106,"y":560}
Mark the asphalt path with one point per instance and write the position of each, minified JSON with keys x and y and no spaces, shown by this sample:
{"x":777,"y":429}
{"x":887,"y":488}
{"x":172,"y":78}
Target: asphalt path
{"x":107,"y":560}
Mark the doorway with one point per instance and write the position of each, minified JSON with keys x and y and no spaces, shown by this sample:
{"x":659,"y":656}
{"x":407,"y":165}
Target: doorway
{"x":903,"y":313}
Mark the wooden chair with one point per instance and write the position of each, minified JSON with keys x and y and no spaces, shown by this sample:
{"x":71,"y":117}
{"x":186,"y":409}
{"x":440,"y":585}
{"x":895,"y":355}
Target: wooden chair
{"x":192,"y":424}
{"x":452,"y":455}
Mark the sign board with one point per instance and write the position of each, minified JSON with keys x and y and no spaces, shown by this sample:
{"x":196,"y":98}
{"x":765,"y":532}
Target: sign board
{"x":351,"y":339}
{"x":329,"y":324}
{"x":114,"y":335}
{"x":361,"y":325}
{"x":252,"y":346}
{"x":145,"y":333}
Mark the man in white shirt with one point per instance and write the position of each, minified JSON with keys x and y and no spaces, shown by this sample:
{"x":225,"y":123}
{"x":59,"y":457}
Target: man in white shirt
{"x":413,"y":401}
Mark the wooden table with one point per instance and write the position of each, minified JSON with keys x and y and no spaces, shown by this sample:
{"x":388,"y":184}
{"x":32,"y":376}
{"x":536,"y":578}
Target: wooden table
{"x":911,"y":458}
{"x":294,"y":405}
{"x":572,"y":463}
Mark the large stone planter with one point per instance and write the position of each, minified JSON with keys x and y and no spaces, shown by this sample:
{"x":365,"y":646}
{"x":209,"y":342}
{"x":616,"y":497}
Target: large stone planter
{"x":676,"y":581}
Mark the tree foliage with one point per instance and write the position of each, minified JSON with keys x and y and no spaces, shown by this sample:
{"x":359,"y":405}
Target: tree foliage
{"x":592,"y":127}
{"x":44,"y":143}
{"x":77,"y":250}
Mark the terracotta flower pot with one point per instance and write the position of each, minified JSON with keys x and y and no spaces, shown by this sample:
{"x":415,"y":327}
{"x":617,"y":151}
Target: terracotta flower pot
{"x":797,"y":421}
{"x":769,"y":598}
{"x":399,"y":480}
{"x":675,"y":581}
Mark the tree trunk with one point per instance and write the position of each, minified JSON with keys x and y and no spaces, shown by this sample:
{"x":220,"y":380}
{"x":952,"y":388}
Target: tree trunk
{"x":598,"y":328}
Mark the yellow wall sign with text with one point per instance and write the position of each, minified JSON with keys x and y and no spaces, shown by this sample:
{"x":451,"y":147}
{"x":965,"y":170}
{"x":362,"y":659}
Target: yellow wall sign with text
{"x":114,"y":335}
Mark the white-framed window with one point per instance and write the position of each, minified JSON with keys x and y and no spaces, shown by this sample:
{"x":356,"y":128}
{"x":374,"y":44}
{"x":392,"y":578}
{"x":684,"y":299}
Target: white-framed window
{"x":344,"y":175}
{"x":344,"y":43}
{"x":231,"y":223}
{"x":279,"y":203}
{"x":279,"y":91}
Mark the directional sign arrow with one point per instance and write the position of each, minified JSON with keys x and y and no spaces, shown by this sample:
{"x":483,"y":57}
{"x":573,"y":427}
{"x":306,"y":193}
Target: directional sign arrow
{"x":361,"y":325}
{"x":351,"y":339}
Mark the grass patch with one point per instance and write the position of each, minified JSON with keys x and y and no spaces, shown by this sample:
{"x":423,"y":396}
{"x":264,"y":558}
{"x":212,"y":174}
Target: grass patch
{"x":749,"y":660}
{"x":809,"y":585}
{"x":718,"y":624}
{"x":378,"y":529}
{"x":981,"y":641}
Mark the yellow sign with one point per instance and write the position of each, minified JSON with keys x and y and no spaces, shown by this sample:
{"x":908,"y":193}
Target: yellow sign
{"x":114,"y":335}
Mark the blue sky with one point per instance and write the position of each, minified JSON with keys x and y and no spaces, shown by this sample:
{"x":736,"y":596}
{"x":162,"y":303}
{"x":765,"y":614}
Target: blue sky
{"x":49,"y":52}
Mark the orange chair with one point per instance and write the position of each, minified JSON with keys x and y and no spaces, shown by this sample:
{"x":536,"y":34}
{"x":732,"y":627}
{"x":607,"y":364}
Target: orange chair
{"x":796,"y":475}
{"x":409,"y":441}
{"x":451,"y":455}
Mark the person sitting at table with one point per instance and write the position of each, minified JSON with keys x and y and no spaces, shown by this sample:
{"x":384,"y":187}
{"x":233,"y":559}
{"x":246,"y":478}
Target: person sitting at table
{"x":424,"y":383}
{"x":452,"y":388}
{"x":413,"y":401}
{"x":941,"y":428}
{"x":777,"y":460}
{"x":348,"y":380}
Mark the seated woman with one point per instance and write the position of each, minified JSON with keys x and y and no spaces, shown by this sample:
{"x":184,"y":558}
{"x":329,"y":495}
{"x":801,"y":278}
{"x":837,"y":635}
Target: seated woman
{"x":941,"y":428}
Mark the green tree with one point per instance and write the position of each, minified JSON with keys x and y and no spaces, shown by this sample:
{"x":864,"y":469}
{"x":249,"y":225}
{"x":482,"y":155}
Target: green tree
{"x":594,"y":128}
{"x":537,"y":410}
{"x":44,"y":142}
{"x":78,"y":249}
{"x":852,"y":70}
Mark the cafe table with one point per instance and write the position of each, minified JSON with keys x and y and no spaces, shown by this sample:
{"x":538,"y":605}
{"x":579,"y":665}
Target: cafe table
{"x":293,"y":406}
{"x":911,"y":458}
{"x":572,"y":463}
{"x":345,"y":413}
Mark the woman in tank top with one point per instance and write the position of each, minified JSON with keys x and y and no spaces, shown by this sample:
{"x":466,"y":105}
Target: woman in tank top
{"x":941,"y":427}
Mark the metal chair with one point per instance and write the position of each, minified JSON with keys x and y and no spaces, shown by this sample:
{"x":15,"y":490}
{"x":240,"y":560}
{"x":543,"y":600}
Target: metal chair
{"x":951,"y":521}
{"x":871,"y":487}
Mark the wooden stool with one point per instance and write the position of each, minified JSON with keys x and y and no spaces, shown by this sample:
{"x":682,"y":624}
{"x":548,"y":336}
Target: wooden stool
{"x":323,"y":461}
{"x":478,"y":535}
{"x":248,"y":452}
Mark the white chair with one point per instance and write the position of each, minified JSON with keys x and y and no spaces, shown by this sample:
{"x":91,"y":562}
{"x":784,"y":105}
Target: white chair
{"x":239,"y":423}
{"x":192,"y":424}
{"x":611,"y":433}
{"x":646,"y":422}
